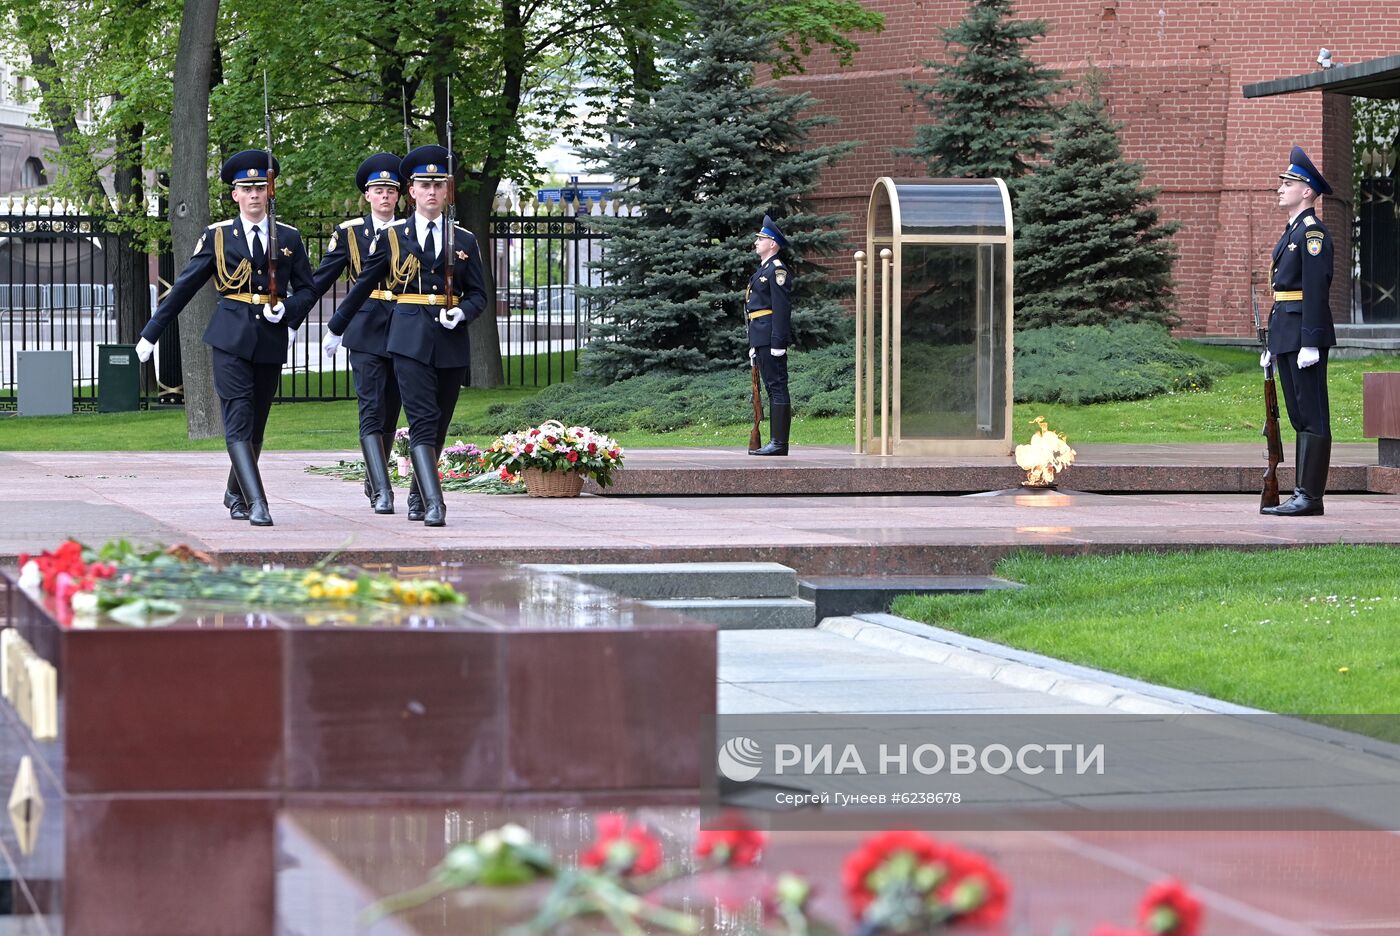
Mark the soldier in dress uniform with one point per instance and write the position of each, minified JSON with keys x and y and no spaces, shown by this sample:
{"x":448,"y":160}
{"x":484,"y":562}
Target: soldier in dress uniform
{"x":428,"y":329}
{"x":768,"y":312}
{"x":1300,"y":330}
{"x":248,"y":331}
{"x":367,"y":334}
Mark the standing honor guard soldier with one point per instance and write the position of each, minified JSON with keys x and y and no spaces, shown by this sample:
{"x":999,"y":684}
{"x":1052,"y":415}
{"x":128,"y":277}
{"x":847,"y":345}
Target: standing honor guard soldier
{"x":428,"y":328}
{"x":367,"y":334}
{"x":249,"y":329}
{"x":1300,"y":330}
{"x":768,"y":311}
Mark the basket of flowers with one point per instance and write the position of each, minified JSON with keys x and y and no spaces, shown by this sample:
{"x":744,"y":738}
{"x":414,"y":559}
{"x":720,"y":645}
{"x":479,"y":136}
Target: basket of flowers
{"x":555,"y":459}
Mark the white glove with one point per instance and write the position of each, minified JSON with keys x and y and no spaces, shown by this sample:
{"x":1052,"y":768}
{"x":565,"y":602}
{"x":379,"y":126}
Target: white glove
{"x":330,"y":344}
{"x":451,"y":318}
{"x":274,"y":313}
{"x":1265,"y":359}
{"x":292,"y":336}
{"x":753,"y":357}
{"x":144,"y":349}
{"x":1307,"y":357}
{"x":777,"y":352}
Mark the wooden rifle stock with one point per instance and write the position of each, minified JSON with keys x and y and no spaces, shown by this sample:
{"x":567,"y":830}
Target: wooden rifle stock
{"x":1273,"y":440}
{"x":756,"y":433}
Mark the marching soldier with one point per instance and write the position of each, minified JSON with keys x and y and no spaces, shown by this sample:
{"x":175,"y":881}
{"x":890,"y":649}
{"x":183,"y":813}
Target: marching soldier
{"x":428,"y":329}
{"x":367,"y":334}
{"x":1301,"y":332}
{"x":768,"y":311}
{"x":249,"y":329}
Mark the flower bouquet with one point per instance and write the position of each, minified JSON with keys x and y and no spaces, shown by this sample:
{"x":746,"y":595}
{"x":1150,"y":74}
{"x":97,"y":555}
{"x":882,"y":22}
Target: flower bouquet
{"x":133,"y":585}
{"x":571,"y":453}
{"x":403,"y":459}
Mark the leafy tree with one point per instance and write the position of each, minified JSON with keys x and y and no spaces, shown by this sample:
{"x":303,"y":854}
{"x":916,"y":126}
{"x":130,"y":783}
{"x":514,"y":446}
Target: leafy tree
{"x":990,"y":100}
{"x":707,"y":157}
{"x":340,"y":74}
{"x":1091,"y":247}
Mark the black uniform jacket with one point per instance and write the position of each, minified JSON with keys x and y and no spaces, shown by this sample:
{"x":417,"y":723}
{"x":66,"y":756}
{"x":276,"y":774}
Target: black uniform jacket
{"x":769,"y":289}
{"x":238,"y":326}
{"x":368,"y":330}
{"x":414,"y":329}
{"x":1302,"y":263}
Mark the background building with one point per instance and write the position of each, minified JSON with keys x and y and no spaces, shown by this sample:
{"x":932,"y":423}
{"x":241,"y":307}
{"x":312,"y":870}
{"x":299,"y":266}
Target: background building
{"x":1174,"y":73}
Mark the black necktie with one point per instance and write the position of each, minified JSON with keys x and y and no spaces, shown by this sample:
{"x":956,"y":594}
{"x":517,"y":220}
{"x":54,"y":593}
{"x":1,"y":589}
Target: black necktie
{"x":430,"y":246}
{"x":259,"y":258}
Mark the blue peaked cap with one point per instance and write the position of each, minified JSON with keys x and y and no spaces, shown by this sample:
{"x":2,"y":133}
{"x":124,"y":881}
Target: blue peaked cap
{"x":379,"y":169}
{"x":772,"y":230}
{"x":1301,"y":169}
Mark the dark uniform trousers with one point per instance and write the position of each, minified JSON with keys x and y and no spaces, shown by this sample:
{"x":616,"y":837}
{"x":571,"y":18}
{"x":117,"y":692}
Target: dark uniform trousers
{"x":1305,"y":393}
{"x":774,"y":372}
{"x":248,"y":350}
{"x":429,"y":361}
{"x":367,"y":333}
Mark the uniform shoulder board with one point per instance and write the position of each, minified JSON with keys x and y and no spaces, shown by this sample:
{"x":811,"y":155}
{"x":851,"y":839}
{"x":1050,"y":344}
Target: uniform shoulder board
{"x":1309,"y":221}
{"x":292,"y":228}
{"x":346,"y":225}
{"x":397,"y":222}
{"x":777,"y":263}
{"x":222,"y":223}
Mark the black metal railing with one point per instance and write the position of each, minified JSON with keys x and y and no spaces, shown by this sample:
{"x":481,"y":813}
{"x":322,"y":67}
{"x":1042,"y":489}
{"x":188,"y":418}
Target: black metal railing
{"x":59,"y":290}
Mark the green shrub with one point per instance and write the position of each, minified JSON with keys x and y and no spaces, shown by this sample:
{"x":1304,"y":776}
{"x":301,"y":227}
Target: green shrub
{"x":820,"y":382}
{"x":1075,"y":365}
{"x":1096,"y":363}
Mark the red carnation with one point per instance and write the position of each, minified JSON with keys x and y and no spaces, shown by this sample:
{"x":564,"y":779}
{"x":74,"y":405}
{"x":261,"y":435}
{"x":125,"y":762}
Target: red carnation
{"x":736,"y":848}
{"x":572,"y":457}
{"x":534,"y":432}
{"x":874,"y":852}
{"x":1169,"y":909}
{"x":592,"y":448}
{"x":975,"y":889}
{"x":626,"y":850}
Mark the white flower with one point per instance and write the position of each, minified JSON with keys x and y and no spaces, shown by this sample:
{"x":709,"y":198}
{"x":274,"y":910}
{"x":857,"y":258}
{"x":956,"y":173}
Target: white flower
{"x":30,"y":578}
{"x":85,"y":604}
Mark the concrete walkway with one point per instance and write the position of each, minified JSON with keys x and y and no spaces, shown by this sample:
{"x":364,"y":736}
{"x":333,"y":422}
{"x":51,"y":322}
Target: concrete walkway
{"x":175,"y":497}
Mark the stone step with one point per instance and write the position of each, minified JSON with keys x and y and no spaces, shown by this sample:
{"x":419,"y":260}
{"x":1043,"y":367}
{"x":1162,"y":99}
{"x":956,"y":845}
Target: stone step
{"x":682,"y":579}
{"x":743,"y":613}
{"x":845,"y":595}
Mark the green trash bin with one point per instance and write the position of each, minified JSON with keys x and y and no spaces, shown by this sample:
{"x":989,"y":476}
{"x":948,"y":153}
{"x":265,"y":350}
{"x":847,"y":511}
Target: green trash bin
{"x":118,"y":378}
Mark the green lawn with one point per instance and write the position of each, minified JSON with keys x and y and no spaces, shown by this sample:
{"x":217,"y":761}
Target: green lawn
{"x":1299,"y":631}
{"x":1231,"y":411}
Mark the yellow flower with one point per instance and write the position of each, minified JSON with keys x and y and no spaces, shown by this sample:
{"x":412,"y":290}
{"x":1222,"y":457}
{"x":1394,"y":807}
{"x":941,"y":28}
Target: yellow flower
{"x":1344,"y":670}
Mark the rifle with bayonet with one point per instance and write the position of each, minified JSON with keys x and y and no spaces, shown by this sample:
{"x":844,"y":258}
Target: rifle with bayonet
{"x":271,"y":204}
{"x":1273,"y":439}
{"x":450,"y":256}
{"x":403,"y":93}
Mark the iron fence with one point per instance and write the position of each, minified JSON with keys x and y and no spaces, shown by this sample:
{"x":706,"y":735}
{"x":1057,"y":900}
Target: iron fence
{"x":540,"y":256}
{"x":60,"y":289}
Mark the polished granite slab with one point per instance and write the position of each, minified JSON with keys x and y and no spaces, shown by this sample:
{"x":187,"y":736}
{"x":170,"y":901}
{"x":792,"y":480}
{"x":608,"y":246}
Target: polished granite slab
{"x":178,"y":744}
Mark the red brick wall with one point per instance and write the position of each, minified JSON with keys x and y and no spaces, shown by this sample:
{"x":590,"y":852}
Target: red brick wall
{"x":1174,"y":73}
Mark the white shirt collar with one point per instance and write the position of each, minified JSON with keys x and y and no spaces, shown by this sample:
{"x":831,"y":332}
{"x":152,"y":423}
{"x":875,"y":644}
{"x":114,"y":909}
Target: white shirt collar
{"x":248,"y":229}
{"x":421,"y":229}
{"x":378,"y":225}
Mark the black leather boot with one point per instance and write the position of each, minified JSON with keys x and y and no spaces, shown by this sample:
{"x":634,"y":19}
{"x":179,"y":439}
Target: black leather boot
{"x":245,"y":467}
{"x":778,"y":426}
{"x":377,"y":474}
{"x":415,"y":499}
{"x":425,"y":472}
{"x":1314,"y":458}
{"x":233,"y":498}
